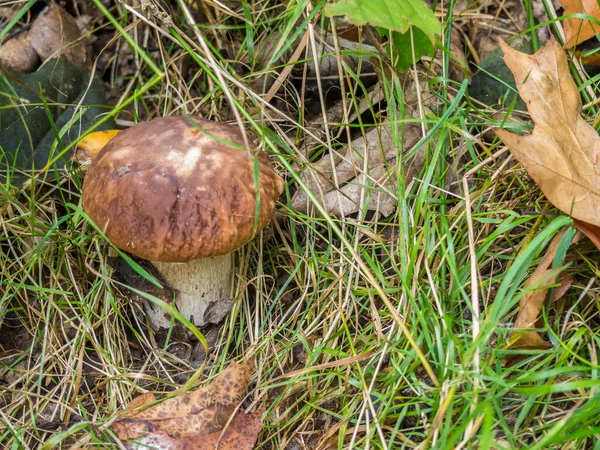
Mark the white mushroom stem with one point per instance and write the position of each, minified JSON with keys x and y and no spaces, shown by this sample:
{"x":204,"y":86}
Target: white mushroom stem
{"x":197,"y":285}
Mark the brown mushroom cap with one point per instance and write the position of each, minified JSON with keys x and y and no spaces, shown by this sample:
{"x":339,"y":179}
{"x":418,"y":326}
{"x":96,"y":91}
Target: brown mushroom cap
{"x":167,"y":190}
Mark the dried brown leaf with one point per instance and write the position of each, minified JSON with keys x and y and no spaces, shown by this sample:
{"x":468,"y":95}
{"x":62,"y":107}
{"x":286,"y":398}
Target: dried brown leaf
{"x":375,"y":152}
{"x":241,"y":434}
{"x":562,"y":152}
{"x":55,"y":32}
{"x":18,"y":54}
{"x":363,"y":174}
{"x":560,"y":290}
{"x":532,"y":302}
{"x":196,"y":420}
{"x":529,"y":309}
{"x":591,"y":231}
{"x":8,"y":12}
{"x":458,"y":63}
{"x":579,"y":30}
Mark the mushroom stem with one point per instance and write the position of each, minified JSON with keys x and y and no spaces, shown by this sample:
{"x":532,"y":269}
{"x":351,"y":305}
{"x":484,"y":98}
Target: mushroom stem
{"x":198,"y":285}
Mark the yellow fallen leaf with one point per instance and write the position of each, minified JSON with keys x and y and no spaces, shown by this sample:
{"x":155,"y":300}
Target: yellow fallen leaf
{"x":197,"y":420}
{"x":90,"y":146}
{"x":579,"y":30}
{"x":562,"y":152}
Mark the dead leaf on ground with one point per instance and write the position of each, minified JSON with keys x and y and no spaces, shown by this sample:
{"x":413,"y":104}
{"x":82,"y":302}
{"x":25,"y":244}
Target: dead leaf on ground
{"x":562,"y":152}
{"x":53,"y":33}
{"x":591,"y":231}
{"x":19,"y":55}
{"x":580,"y":30}
{"x":8,"y":12}
{"x":376,"y":152}
{"x":459,"y":67}
{"x":365,"y":170}
{"x":197,"y":420}
{"x":531,"y":304}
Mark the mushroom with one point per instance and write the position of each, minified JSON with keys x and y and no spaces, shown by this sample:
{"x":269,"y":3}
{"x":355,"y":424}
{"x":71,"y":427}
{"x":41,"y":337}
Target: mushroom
{"x":181,"y":192}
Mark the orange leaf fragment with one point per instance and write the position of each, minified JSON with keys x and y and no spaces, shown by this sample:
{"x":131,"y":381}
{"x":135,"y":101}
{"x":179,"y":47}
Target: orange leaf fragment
{"x":90,"y":146}
{"x":580,"y":30}
{"x":200,"y":420}
{"x":562,"y":154}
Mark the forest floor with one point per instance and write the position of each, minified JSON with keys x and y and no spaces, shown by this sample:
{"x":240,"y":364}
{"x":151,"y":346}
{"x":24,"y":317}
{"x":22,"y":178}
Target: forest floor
{"x":377,"y":306}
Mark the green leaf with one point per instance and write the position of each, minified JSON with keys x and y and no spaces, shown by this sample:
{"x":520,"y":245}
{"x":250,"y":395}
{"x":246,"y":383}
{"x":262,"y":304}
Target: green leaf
{"x":35,"y":107}
{"x":400,"y":50}
{"x":394,"y":15}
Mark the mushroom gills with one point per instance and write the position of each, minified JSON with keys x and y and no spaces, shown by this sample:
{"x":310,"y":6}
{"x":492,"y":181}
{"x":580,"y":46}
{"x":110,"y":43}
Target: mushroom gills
{"x":202,"y":290}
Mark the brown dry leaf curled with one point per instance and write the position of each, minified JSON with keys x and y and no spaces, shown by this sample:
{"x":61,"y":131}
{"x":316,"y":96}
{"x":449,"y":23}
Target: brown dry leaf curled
{"x":54,"y":32}
{"x":530,"y":304}
{"x":591,"y":231}
{"x":363,"y":174}
{"x":579,"y":30}
{"x":562,"y":152}
{"x":378,"y":148}
{"x":197,"y":420}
